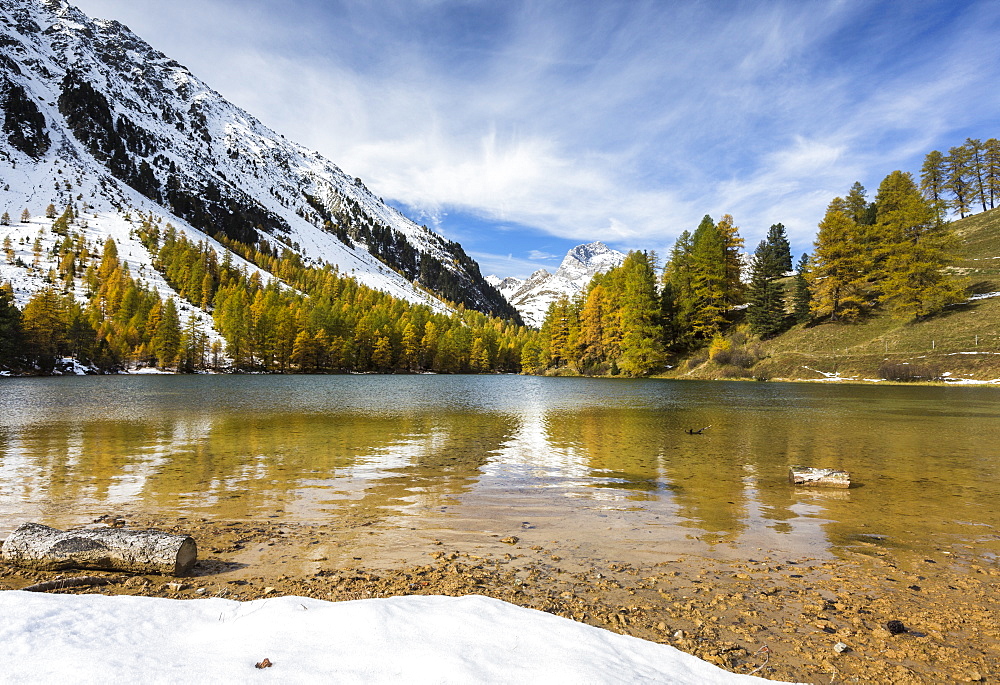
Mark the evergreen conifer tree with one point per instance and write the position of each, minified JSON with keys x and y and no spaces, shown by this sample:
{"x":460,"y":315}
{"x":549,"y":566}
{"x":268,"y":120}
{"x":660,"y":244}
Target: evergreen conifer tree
{"x":801,"y":297}
{"x":10,"y":327}
{"x":677,"y":298}
{"x":766,"y":296}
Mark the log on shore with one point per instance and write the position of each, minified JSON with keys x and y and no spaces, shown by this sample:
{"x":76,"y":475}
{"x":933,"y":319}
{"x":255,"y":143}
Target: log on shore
{"x":33,"y":545}
{"x":830,"y":478}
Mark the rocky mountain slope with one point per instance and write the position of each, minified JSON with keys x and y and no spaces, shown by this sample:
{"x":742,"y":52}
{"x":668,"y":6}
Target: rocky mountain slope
{"x":93,"y":115}
{"x":533,"y":295}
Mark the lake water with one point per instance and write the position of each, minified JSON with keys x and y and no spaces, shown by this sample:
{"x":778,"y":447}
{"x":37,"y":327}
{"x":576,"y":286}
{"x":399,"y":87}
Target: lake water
{"x":604,"y":464}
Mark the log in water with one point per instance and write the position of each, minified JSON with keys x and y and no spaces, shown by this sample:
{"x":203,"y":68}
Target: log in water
{"x":33,"y":545}
{"x":831,"y":478}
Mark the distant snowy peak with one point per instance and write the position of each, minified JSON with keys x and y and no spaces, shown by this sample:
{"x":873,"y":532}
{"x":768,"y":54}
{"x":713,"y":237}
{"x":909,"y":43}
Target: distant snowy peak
{"x":586,"y":261}
{"x":532,"y":296}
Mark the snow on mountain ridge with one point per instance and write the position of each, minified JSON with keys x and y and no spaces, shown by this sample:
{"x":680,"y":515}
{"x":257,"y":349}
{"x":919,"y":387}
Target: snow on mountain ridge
{"x":177,"y":148}
{"x":532,"y":296}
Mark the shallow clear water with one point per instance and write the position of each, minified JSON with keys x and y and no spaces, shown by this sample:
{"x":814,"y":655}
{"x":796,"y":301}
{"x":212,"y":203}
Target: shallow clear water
{"x":605,"y":463}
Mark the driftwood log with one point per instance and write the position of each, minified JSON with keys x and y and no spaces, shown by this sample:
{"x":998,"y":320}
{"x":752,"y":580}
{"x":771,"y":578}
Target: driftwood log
{"x":831,"y":478}
{"x":115,"y":549}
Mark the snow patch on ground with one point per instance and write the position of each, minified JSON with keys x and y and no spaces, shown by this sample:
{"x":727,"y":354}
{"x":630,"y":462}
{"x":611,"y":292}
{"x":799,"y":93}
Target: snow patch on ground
{"x":827,"y":376}
{"x":983,"y":296}
{"x":414,"y":639}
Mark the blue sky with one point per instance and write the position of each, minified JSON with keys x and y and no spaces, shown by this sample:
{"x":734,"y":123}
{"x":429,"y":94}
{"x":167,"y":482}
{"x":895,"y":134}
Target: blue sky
{"x":521,"y":129}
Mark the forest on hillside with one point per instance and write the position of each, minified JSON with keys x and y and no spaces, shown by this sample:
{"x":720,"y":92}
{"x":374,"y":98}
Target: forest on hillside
{"x":886,"y":254}
{"x":307,"y":319}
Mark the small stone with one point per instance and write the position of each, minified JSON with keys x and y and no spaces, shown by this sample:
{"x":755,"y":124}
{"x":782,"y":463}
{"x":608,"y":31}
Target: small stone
{"x":200,"y":591}
{"x":137,"y":581}
{"x":840,"y":648}
{"x":269,"y":590}
{"x":510,"y":540}
{"x":679,"y":634}
{"x":895,"y":627}
{"x":177,"y":587}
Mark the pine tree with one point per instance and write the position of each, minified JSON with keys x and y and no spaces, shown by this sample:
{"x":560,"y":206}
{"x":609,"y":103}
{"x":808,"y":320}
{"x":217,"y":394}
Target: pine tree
{"x":777,"y":239}
{"x":382,"y":353}
{"x":167,"y":338}
{"x":642,"y":348}
{"x":958,"y":180}
{"x":304,"y":352}
{"x":766,"y":310}
{"x":193,"y":347}
{"x":592,"y":326}
{"x":991,"y":170}
{"x":677,"y":298}
{"x":857,"y":206}
{"x":801,"y":297}
{"x":915,"y":284}
{"x":532,"y":360}
{"x":838,"y":277}
{"x":709,"y":281}
{"x":44,"y":325}
{"x":411,"y":348}
{"x":5,"y":219}
{"x":50,"y":211}
{"x":732,"y":248}
{"x":480,"y":358}
{"x":977,"y":171}
{"x":25,"y":216}
{"x":10,"y":327}
{"x":932,"y":181}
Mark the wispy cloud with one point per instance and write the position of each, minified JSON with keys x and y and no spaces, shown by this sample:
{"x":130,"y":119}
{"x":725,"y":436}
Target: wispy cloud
{"x":503,"y":265}
{"x":618,"y":121}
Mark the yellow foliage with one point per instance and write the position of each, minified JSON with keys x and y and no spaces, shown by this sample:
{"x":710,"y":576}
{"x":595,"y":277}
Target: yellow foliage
{"x":719,"y":348}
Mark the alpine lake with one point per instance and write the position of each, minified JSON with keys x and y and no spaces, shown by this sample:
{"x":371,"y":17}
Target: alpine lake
{"x":607,"y":464}
{"x":594,"y":477}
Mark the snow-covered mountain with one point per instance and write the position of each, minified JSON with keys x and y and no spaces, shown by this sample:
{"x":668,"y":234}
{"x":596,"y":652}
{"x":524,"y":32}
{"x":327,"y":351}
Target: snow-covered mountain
{"x":95,"y":116}
{"x":533,"y":295}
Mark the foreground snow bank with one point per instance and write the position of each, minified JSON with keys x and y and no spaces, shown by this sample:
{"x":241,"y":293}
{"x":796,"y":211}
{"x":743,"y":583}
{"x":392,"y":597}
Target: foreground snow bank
{"x":416,"y":639}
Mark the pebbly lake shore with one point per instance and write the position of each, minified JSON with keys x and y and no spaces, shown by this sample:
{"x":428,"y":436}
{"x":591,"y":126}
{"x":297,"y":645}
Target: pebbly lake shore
{"x":819,"y":620}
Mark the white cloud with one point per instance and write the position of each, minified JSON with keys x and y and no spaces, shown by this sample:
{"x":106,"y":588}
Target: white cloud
{"x":624,"y":122}
{"x":503,"y":265}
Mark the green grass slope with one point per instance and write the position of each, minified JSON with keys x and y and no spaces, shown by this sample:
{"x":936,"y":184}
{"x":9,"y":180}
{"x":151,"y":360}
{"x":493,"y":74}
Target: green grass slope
{"x":963,"y":342}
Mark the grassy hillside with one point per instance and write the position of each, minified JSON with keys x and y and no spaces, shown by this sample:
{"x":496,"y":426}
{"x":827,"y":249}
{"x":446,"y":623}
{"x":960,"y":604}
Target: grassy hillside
{"x":962,"y":342}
